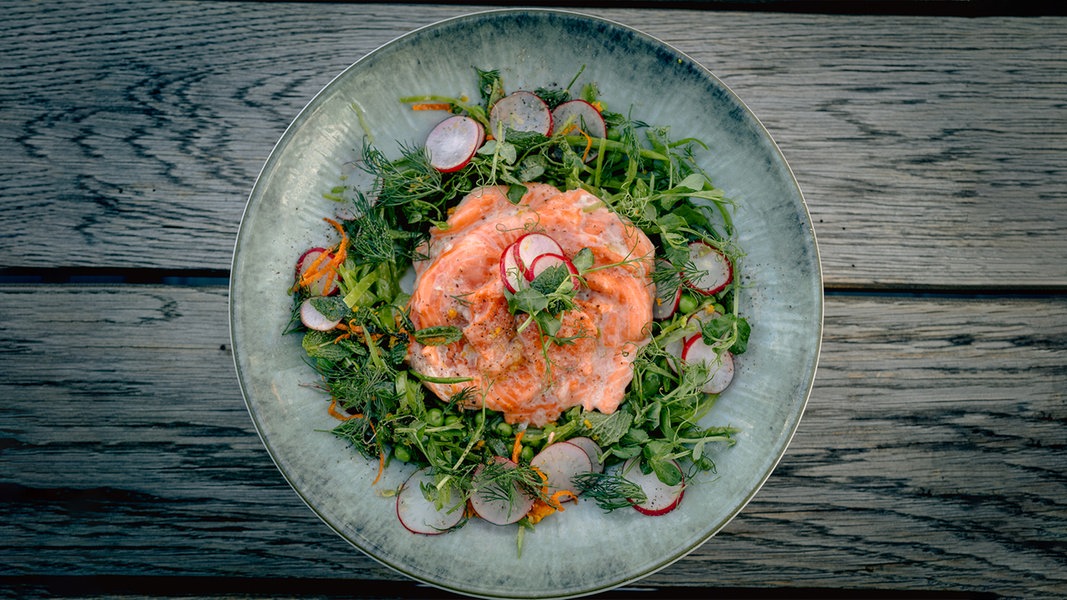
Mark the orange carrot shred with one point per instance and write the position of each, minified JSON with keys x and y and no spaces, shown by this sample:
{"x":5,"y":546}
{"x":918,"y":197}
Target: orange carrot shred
{"x":556,"y":500}
{"x":588,"y":145}
{"x":538,"y":511}
{"x":339,"y":415}
{"x":431,"y":106}
{"x":516,"y":449}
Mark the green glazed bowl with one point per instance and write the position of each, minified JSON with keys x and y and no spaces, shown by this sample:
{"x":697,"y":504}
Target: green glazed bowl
{"x":583,"y":550}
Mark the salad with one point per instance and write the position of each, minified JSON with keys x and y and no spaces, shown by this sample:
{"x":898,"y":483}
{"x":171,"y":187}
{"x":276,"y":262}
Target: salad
{"x":551,"y":237}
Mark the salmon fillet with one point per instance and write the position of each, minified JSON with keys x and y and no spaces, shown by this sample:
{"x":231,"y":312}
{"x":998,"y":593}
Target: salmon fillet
{"x":458,"y":284}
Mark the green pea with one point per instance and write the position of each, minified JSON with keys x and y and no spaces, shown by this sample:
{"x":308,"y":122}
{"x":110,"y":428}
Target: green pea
{"x":401,"y":453}
{"x":503,"y":429}
{"x":452,"y":419}
{"x":435,"y":417}
{"x":527,"y":453}
{"x":688,"y":303}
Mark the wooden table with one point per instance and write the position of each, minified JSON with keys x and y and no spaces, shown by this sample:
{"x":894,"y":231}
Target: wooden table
{"x":932,"y":150}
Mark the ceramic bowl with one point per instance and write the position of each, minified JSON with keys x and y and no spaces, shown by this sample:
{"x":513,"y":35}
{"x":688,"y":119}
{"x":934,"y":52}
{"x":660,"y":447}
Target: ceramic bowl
{"x":583,"y":550}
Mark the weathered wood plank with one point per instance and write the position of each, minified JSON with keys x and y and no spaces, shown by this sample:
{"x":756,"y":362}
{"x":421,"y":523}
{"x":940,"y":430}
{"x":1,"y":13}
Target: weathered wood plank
{"x":931,"y":455}
{"x":930,"y":149}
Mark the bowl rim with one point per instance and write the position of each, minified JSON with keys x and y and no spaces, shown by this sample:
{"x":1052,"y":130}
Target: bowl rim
{"x":819,"y":304}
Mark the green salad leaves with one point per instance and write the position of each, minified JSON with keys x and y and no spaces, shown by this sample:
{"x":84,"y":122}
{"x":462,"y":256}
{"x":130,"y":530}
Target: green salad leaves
{"x":643,"y":174}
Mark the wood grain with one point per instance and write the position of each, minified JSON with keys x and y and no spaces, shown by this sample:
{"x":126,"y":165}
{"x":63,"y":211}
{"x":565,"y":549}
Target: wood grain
{"x":929,"y":148}
{"x":931,"y":456}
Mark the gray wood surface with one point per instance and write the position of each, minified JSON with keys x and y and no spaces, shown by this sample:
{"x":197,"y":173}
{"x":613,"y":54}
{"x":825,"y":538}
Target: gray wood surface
{"x":132,"y":131}
{"x":932,"y":458}
{"x":931,"y":455}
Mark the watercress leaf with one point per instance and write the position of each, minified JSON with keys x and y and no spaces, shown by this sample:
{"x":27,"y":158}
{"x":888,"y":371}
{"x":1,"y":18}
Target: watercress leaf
{"x":526,"y":300}
{"x":583,"y":260}
{"x":667,"y":471}
{"x":507,"y":152}
{"x":694,"y":183}
{"x":698,"y":450}
{"x":670,"y":222}
{"x":625,"y":452}
{"x":531,"y":168}
{"x":635,"y":436}
{"x":549,"y":324}
{"x":744,"y":330}
{"x":727,"y":328}
{"x":516,"y":192}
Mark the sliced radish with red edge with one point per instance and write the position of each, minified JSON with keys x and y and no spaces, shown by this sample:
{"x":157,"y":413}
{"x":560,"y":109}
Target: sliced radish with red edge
{"x":510,"y":273}
{"x":453,"y":142}
{"x":493,"y":505}
{"x":660,"y":498}
{"x":318,"y":286}
{"x":721,"y":366}
{"x":532,"y":245}
{"x":666,"y":303}
{"x":520,"y":111}
{"x":580,"y":115}
{"x":560,"y":462}
{"x":711,"y":272}
{"x":313,"y":319}
{"x":592,"y":450}
{"x":419,"y":514}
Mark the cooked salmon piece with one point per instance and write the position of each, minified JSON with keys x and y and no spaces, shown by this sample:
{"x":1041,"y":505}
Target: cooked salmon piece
{"x":519,"y":374}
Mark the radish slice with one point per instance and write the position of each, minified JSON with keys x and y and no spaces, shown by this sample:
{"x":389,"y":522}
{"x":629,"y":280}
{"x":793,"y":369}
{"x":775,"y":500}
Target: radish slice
{"x":592,"y":450}
{"x":303,"y":265}
{"x":313,"y":319}
{"x":721,"y":365}
{"x":489,"y":504}
{"x":520,"y":111}
{"x":418,"y":514}
{"x":560,"y":462}
{"x":711,"y":269}
{"x":660,"y":498}
{"x":510,"y":272}
{"x":582,"y":116}
{"x":547,"y":261}
{"x":691,"y":330}
{"x":532,"y":245}
{"x":453,"y":142}
{"x":666,"y":303}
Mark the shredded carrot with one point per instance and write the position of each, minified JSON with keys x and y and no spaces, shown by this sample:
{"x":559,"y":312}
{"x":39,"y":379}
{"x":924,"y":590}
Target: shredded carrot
{"x":557,"y":499}
{"x":316,"y":270}
{"x":538,"y":511}
{"x":588,"y":145}
{"x":339,"y":415}
{"x":516,"y":449}
{"x":431,"y":106}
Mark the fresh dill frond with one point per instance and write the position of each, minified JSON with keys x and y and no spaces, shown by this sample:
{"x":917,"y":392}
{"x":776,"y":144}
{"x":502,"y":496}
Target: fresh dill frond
{"x":610,"y":491}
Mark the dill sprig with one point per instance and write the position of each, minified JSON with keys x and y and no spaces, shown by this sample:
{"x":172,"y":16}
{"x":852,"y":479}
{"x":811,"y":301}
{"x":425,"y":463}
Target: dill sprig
{"x":610,"y":491}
